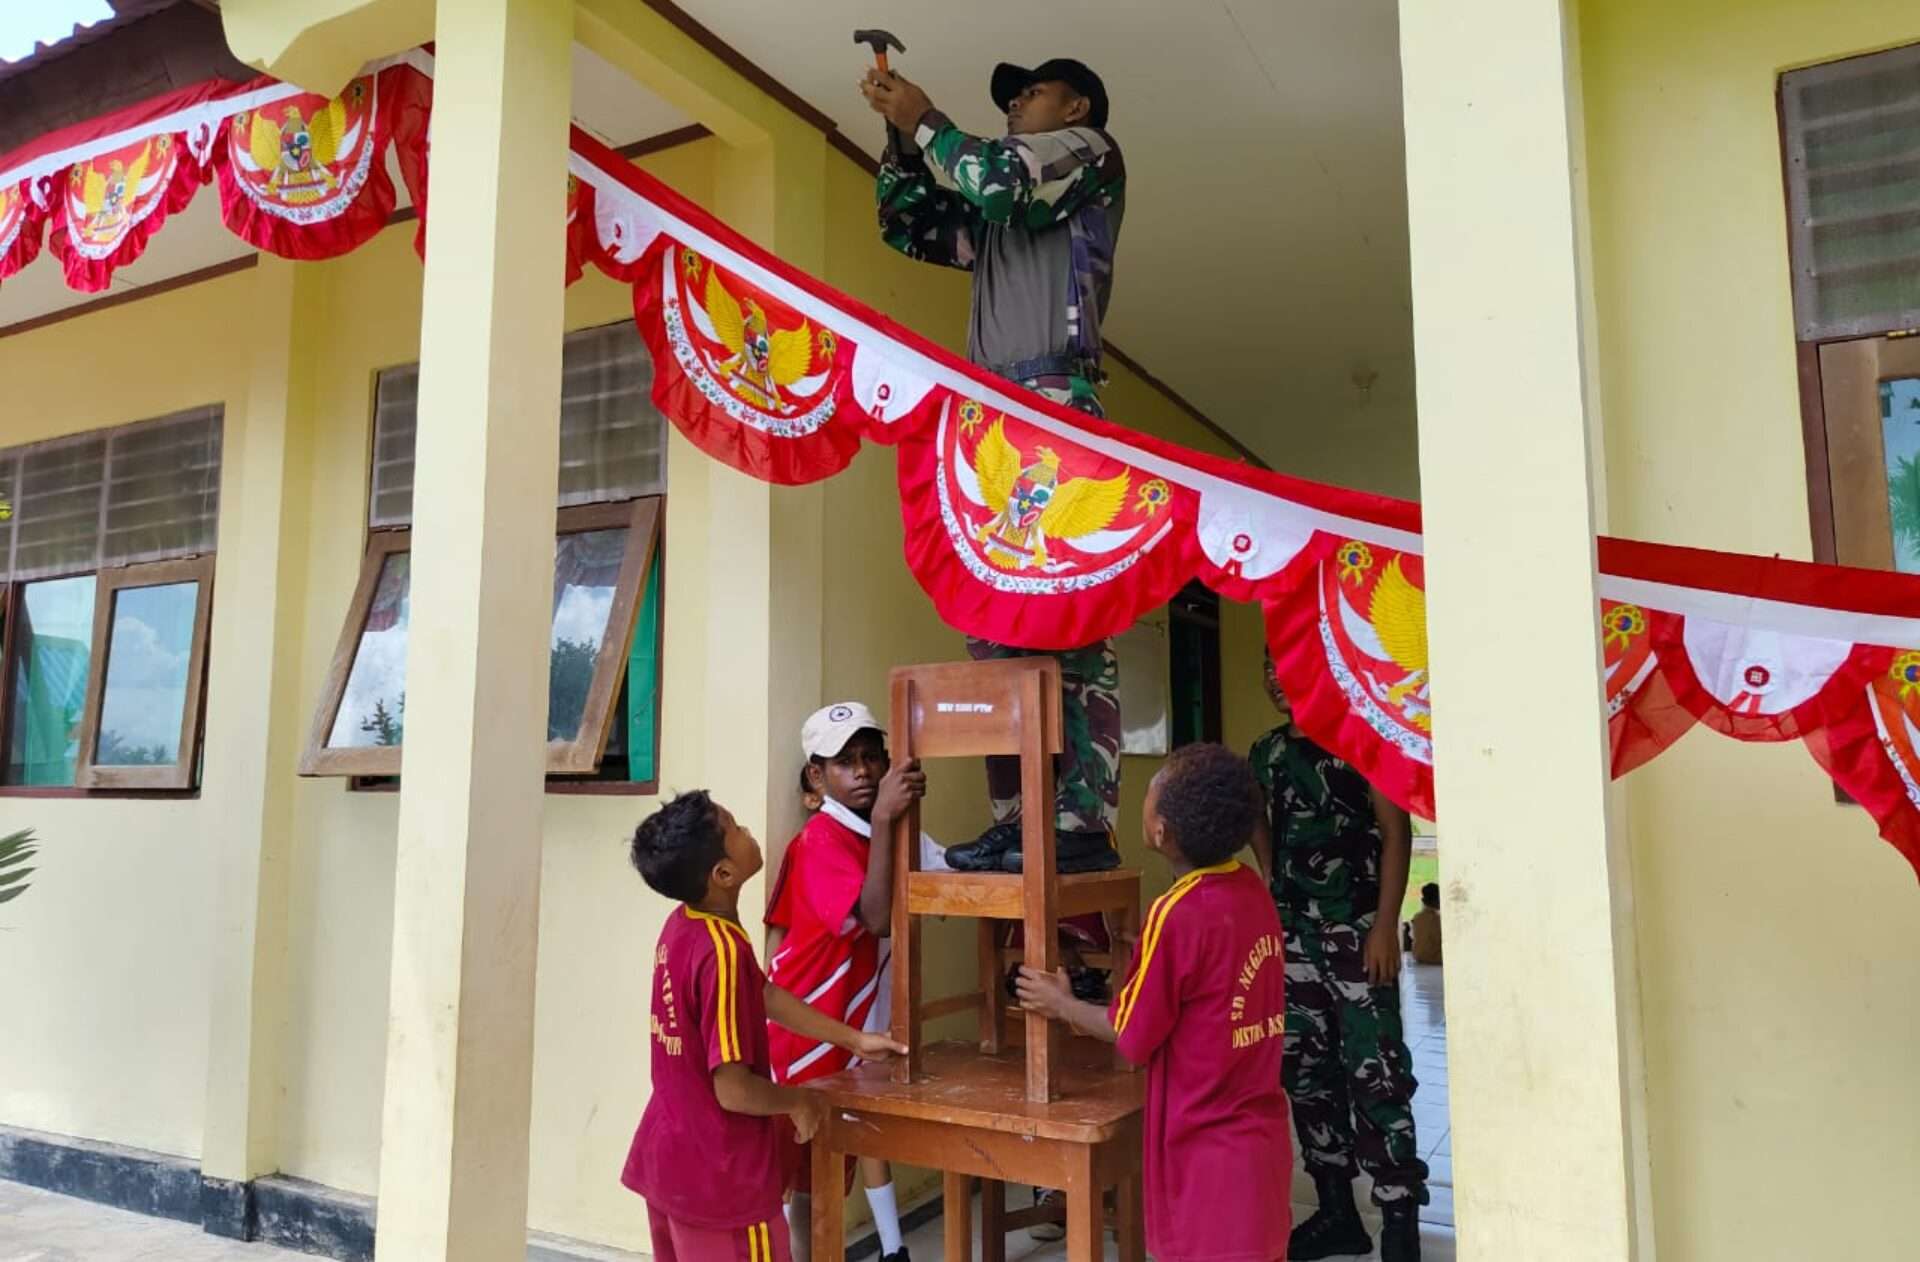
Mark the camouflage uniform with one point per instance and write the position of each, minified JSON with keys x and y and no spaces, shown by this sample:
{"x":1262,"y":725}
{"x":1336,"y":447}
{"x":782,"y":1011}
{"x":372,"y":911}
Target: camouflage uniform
{"x":1347,"y":1068}
{"x":1035,"y":219}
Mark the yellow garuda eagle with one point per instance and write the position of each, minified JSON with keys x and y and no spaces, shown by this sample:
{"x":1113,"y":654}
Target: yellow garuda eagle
{"x":764,"y":359}
{"x":108,"y":195}
{"x":1398,"y":612}
{"x":1033,"y":505}
{"x":298,"y":150}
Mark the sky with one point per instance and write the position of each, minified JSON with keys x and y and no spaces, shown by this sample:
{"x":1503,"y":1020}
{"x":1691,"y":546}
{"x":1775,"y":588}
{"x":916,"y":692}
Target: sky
{"x":23,"y":23}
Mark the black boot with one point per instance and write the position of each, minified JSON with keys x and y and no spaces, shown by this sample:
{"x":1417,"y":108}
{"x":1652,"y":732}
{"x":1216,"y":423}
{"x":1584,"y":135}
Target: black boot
{"x":1400,"y":1236}
{"x":1334,"y":1230}
{"x":1078,"y":851}
{"x":983,"y":854}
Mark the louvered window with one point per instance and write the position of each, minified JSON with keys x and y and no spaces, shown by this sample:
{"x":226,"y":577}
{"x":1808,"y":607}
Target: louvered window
{"x":106,"y":576}
{"x":1853,"y":177}
{"x":145,"y":492}
{"x":612,"y":439}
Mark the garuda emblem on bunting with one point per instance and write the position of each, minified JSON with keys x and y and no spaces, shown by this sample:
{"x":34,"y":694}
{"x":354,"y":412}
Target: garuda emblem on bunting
{"x":304,"y":158}
{"x":750,"y":354}
{"x":1031,"y":512}
{"x":1894,"y":697}
{"x":111,"y":193}
{"x":1373,"y":628}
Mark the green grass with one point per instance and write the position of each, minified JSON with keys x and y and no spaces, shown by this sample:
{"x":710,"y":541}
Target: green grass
{"x":1425,"y":867}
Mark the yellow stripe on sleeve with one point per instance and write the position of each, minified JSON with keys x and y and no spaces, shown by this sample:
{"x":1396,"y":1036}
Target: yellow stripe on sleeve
{"x":1149,"y":943}
{"x":724,"y":1021}
{"x":753,"y":1243}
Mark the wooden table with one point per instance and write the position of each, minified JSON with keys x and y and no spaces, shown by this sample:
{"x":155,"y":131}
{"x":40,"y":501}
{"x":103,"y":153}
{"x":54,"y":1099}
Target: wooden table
{"x":970,"y":1116}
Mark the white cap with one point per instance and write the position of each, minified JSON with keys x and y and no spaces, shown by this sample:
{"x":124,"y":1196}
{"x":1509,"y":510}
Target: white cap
{"x":828,"y":729}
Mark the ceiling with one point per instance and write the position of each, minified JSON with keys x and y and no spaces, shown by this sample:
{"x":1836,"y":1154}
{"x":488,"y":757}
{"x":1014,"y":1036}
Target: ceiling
{"x":1263,"y":265}
{"x":1263,"y":269}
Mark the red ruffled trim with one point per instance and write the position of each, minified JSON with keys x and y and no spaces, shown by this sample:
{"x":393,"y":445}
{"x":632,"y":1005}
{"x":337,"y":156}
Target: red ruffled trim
{"x":28,"y":234}
{"x":1119,"y":587}
{"x":90,"y":275}
{"x":783,"y":461}
{"x":350,"y":226}
{"x":1291,"y":606}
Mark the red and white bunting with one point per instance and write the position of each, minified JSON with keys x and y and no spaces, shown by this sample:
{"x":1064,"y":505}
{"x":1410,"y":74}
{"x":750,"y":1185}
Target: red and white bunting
{"x":1025,"y":522}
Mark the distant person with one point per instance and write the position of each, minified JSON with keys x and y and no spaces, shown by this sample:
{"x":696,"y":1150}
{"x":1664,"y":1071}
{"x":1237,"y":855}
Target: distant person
{"x":1423,"y":931}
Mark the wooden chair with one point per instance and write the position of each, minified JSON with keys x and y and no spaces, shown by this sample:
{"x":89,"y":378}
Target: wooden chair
{"x":974,"y":709}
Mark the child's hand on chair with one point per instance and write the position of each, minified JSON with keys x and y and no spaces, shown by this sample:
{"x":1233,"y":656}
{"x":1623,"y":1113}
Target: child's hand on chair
{"x":1045,"y":993}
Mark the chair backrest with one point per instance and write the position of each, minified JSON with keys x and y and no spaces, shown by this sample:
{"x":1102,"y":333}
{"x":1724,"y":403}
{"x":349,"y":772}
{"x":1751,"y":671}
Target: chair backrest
{"x":968,"y":709}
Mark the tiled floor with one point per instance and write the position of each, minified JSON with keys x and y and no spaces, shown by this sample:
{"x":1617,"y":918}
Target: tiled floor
{"x":38,"y":1226}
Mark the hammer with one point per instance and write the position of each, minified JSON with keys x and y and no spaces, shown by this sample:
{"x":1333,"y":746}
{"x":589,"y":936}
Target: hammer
{"x":879,"y":41}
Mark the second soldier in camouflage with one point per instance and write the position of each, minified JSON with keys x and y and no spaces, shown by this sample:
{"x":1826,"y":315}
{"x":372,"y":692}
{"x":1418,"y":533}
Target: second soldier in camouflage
{"x":1337,"y":856}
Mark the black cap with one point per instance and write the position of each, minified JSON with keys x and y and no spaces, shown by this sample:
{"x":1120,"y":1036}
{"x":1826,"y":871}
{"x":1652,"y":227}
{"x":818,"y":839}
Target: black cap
{"x":1010,"y":81}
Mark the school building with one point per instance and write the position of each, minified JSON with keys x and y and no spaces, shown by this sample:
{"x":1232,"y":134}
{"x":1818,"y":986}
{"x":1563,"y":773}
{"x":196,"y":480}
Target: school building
{"x":1550,"y":268}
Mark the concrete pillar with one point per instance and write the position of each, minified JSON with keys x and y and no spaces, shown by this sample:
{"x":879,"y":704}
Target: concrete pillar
{"x":253,"y":737}
{"x":1539,"y":1009}
{"x":767,"y":543}
{"x":453,"y":1154}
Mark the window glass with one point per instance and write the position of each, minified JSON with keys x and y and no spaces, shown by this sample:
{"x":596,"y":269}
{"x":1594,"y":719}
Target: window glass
{"x":54,"y":647}
{"x":586,"y":570}
{"x":374,"y":706}
{"x":1900,"y":434}
{"x":149,"y":650}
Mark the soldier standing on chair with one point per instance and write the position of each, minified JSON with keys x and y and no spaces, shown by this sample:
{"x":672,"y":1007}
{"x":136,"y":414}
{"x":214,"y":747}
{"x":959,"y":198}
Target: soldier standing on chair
{"x":1034,"y":216}
{"x":1336,"y":856}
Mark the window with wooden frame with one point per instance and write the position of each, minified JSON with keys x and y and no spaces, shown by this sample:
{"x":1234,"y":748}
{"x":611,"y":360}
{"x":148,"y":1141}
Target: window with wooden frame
{"x":1850,"y":140}
{"x":604,"y":663}
{"x":1850,"y":134}
{"x":106,"y":576}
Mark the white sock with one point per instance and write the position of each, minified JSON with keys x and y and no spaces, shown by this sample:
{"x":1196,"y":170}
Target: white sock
{"x":800,"y":1226}
{"x":886,"y":1217}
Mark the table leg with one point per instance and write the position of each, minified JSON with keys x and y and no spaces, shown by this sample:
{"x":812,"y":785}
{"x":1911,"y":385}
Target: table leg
{"x":993,"y":1224}
{"x":1130,"y":1211}
{"x":829,"y":1201}
{"x":1086,"y":1225}
{"x":958,"y":1212}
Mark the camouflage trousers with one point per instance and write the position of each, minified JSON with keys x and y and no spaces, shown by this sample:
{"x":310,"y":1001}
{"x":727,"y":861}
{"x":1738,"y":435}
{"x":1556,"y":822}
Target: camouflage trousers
{"x":1086,"y":783}
{"x":1346,"y":1065}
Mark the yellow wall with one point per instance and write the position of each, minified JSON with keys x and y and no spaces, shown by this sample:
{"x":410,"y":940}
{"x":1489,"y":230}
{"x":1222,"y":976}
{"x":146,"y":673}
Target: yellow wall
{"x":1777,"y":970}
{"x":105,"y":975}
{"x":108,"y":954}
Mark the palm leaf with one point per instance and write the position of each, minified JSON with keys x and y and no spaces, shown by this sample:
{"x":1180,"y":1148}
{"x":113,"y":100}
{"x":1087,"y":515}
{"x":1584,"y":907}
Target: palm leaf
{"x":1903,"y":501}
{"x":16,"y":850}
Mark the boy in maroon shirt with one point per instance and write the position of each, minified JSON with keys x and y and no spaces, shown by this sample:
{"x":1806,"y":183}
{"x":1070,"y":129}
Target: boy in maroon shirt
{"x":706,"y":1156}
{"x":1203,"y":1010}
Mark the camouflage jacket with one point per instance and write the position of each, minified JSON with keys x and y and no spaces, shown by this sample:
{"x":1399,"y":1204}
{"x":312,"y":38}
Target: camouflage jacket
{"x":1034,"y":218}
{"x":1326,"y":841}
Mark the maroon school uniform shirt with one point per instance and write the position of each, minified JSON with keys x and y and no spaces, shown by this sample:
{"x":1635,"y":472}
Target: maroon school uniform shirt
{"x":693,"y":1160}
{"x":1204,"y":1011}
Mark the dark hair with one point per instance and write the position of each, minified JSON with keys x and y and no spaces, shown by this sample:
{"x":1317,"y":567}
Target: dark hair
{"x":675,"y":848}
{"x":1430,"y":894}
{"x":1209,"y":800}
{"x":806,"y":784}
